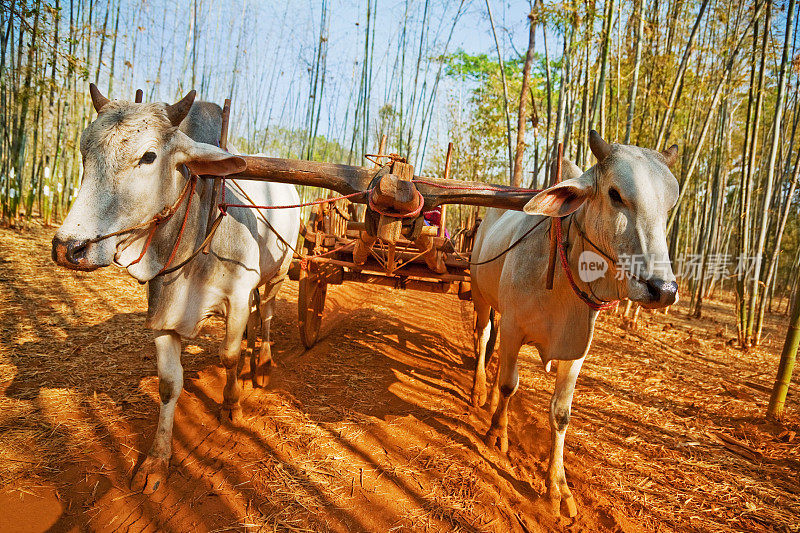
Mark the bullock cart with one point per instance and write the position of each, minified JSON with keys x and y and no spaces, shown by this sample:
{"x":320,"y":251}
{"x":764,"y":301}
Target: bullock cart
{"x":378,"y":228}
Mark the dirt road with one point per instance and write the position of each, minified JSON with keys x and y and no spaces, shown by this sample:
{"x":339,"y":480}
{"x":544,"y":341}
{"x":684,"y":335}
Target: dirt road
{"x":371,"y":429}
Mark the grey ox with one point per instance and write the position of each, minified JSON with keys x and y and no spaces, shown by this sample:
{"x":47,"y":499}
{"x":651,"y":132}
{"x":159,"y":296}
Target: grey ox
{"x":135,"y":160}
{"x":616,"y":209}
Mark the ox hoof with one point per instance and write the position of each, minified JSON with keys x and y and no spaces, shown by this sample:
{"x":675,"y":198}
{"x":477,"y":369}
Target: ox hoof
{"x":261,"y":374}
{"x":231,"y":415}
{"x":572,"y":508}
{"x":498,"y":439}
{"x":260,"y":379}
{"x":557,"y":497}
{"x":478,"y":398}
{"x":151,"y":475}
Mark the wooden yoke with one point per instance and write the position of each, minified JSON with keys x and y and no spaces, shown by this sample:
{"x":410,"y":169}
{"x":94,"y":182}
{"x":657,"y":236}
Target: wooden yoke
{"x":551,"y":260}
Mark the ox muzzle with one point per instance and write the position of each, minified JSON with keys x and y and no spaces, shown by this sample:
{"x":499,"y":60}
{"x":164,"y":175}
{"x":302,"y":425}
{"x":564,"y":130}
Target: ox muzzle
{"x":72,"y":254}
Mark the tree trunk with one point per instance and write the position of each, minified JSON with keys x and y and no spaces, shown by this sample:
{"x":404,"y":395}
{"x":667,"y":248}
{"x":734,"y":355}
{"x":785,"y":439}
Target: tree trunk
{"x":505,"y":93}
{"x":767,"y":196}
{"x":599,"y":107}
{"x":717,"y":93}
{"x":522,"y":116}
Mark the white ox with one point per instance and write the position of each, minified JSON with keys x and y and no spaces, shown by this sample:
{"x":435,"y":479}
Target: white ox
{"x":617,"y":209}
{"x":135,"y":158}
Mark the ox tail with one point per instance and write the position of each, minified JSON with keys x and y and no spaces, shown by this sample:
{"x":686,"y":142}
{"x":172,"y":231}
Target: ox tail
{"x":492,"y":337}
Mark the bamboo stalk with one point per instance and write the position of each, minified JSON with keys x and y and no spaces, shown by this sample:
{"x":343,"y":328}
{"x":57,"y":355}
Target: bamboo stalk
{"x":786,"y":366}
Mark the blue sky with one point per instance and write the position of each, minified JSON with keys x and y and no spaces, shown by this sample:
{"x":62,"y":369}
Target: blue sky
{"x":276,"y":44}
{"x":261,"y":52}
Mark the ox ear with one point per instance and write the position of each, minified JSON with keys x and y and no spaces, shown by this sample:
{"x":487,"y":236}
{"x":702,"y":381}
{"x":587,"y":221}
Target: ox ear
{"x":206,"y":159}
{"x":562,"y":199}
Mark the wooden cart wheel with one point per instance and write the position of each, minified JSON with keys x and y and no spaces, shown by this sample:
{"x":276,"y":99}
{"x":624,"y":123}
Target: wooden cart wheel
{"x":310,"y":304}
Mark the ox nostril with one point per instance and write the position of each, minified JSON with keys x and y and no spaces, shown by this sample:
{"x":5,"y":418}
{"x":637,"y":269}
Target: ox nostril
{"x":76,"y":250}
{"x":654,"y":289}
{"x":73,"y":254}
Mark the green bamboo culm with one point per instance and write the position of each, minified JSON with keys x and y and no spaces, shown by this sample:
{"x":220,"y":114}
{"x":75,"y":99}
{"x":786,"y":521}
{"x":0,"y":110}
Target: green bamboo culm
{"x":786,"y":366}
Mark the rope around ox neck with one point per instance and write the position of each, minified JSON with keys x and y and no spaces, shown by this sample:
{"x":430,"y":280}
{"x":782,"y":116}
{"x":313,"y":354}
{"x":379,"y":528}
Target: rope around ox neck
{"x":596,"y":306}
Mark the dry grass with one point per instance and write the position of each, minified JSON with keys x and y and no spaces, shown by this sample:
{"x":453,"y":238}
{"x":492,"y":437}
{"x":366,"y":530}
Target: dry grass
{"x":370,"y":430}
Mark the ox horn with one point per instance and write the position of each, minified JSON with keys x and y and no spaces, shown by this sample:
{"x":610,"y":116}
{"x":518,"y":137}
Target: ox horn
{"x":177,"y":112}
{"x":600,"y":148}
{"x":670,"y":155}
{"x":98,"y":100}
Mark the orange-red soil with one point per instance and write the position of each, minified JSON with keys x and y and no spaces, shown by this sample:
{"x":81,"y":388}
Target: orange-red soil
{"x":371,"y":429}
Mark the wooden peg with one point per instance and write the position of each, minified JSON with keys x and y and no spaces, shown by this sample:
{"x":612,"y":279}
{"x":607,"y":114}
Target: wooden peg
{"x":443,"y":207}
{"x":223,"y":143}
{"x":551,"y":260}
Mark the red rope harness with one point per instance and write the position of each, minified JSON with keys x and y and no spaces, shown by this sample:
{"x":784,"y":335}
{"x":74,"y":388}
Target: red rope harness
{"x":146,"y":244}
{"x":597,"y":306}
{"x":223,"y":206}
{"x":161,"y":218}
{"x":411,"y":214}
{"x":183,"y":227}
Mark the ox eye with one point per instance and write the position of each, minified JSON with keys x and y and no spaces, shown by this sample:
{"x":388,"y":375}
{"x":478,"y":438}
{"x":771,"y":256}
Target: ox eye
{"x":615,"y":197}
{"x":147,"y":158}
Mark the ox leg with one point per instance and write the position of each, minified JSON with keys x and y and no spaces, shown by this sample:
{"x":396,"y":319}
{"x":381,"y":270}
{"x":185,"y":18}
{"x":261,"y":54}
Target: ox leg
{"x":494,"y":398}
{"x":261,"y":367}
{"x":153,"y":471}
{"x":483,"y":327}
{"x":231,"y":411}
{"x":508,"y":380}
{"x":252,"y":325}
{"x":560,"y":407}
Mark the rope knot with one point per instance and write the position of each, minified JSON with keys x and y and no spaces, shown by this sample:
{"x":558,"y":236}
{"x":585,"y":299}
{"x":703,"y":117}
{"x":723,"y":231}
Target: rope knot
{"x":163,"y":215}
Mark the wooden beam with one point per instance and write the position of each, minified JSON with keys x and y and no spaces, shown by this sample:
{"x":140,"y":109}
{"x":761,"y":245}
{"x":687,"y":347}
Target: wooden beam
{"x":344,"y":179}
{"x":438,"y":191}
{"x":348,"y":179}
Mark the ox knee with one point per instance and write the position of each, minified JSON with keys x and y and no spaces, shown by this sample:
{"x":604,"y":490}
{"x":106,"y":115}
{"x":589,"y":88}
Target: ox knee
{"x":560,"y":418}
{"x":508,"y":390}
{"x":509,"y":380}
{"x":229,"y":359}
{"x":168,"y":389}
